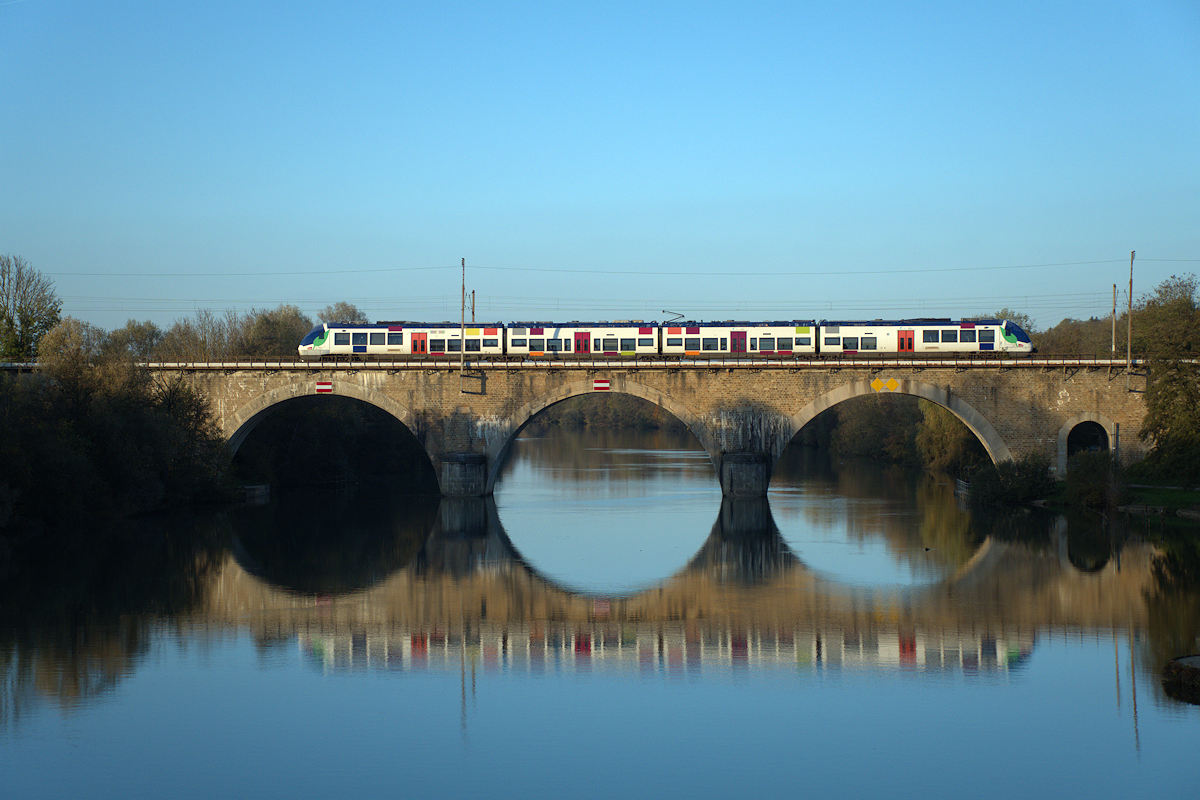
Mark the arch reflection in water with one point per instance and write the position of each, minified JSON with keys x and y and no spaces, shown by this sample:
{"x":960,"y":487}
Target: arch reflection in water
{"x":866,"y":525}
{"x":332,"y":541}
{"x":608,"y":511}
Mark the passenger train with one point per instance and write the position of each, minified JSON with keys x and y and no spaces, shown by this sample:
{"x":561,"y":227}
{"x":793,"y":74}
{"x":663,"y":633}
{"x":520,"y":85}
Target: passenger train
{"x":632,"y":339}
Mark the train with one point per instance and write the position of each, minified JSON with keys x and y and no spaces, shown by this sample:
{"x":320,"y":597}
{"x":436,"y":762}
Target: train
{"x":634,"y":339}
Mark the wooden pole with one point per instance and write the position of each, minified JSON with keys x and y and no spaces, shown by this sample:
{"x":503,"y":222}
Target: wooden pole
{"x":1129,"y":332}
{"x":462,"y":329}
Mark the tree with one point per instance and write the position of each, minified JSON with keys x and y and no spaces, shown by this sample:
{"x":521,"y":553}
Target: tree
{"x":1021,"y":318}
{"x":1167,"y":325}
{"x":28,"y":308}
{"x":136,"y":341}
{"x":273,"y":333}
{"x":342,"y":311}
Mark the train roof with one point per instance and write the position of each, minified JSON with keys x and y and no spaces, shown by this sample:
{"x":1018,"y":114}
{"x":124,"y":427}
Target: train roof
{"x":914,"y":321}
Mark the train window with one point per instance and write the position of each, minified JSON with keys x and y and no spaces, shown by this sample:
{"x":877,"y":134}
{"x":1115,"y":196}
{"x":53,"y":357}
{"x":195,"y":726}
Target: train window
{"x":710,"y":343}
{"x":849,"y":342}
{"x":869,"y":343}
{"x":341,"y":338}
{"x":987,"y":336}
{"x":766,"y":343}
{"x":437,"y":345}
{"x":784,"y":343}
{"x":966,"y":336}
{"x":724,"y":343}
{"x":646,"y":342}
{"x":395,"y":338}
{"x":674,"y":341}
{"x":491,"y":342}
{"x":929,"y":337}
{"x":833,"y":341}
{"x":537,"y":344}
{"x":627,"y":344}
{"x":517,"y":331}
{"x":567,"y":345}
{"x":691,"y":343}
{"x":610,"y":345}
{"x":377,"y":338}
{"x":359,"y":338}
{"x":517,"y":342}
{"x":804,"y":341}
{"x":454,"y":345}
{"x":754,"y":344}
{"x":554,"y":345}
{"x":472,"y":345}
{"x":949,"y":336}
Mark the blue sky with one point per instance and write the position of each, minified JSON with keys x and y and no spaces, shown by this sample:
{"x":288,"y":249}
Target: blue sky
{"x":600,"y":161}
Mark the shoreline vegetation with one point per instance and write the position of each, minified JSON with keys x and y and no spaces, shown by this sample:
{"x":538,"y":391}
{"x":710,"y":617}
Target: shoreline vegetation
{"x":92,"y":437}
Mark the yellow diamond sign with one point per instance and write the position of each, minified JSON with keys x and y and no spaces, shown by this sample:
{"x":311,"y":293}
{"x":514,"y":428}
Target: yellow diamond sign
{"x":877,"y":384}
{"x":892,"y":384}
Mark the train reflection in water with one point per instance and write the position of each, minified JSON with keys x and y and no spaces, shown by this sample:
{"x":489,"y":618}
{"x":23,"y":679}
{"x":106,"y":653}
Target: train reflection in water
{"x":670,"y":649}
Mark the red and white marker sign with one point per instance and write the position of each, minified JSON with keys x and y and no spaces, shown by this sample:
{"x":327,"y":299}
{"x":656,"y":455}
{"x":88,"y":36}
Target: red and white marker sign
{"x":324,"y":387}
{"x":600,"y":385}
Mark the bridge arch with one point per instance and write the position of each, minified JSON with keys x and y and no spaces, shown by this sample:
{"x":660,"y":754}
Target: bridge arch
{"x":978,"y":424}
{"x":1110,"y":427}
{"x":497,"y":449}
{"x":237,"y":426}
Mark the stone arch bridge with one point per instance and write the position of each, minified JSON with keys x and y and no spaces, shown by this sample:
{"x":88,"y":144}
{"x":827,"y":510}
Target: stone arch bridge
{"x":742,"y":413}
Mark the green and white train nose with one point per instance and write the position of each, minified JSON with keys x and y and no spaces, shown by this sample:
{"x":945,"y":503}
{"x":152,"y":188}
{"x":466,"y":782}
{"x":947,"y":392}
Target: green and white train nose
{"x":315,"y":343}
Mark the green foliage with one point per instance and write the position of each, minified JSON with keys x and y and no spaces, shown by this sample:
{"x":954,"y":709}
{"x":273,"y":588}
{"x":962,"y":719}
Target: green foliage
{"x":605,"y":411}
{"x":1167,"y":328}
{"x":1019,"y":317}
{"x":1094,"y":480}
{"x":945,"y":443}
{"x":1091,"y":337}
{"x":1015,"y":482}
{"x":881,"y":427}
{"x":28,"y":309}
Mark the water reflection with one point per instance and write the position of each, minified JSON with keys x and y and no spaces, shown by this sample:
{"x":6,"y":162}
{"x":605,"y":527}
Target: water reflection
{"x":402,"y":584}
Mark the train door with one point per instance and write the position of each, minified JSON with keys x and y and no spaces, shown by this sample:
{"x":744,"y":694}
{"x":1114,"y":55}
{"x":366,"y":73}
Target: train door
{"x":420,"y":344}
{"x":583,"y":341}
{"x":905,"y":341}
{"x":737,"y":341}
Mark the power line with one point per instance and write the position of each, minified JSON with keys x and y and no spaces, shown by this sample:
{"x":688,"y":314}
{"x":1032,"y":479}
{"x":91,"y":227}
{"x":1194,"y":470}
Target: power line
{"x":782,"y":273}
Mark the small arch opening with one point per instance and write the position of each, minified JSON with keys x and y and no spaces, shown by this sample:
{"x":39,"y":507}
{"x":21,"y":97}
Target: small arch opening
{"x":1087,"y":437}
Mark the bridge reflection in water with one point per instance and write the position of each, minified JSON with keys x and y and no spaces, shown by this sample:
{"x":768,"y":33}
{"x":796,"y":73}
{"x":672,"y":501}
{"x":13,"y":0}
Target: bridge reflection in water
{"x":744,"y":601}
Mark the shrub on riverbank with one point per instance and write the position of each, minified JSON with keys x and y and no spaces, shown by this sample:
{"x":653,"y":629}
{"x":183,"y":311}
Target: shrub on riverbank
{"x":1016,"y":482}
{"x":1094,"y":480}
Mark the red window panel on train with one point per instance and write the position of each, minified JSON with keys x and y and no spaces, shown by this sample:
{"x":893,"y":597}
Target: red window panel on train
{"x":904,"y":341}
{"x":693,"y":329}
{"x":645,"y":331}
{"x":674,"y":330}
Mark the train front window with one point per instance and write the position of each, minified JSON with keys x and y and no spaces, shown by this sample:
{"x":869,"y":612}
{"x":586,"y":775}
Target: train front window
{"x":312,"y":336}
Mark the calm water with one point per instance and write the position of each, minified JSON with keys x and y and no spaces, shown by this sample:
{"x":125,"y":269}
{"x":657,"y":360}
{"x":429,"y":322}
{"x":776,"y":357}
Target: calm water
{"x":606,"y":627}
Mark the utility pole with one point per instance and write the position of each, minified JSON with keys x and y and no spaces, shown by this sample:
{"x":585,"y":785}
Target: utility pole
{"x":1114,"y":322}
{"x":472,"y":306}
{"x":462,"y":328}
{"x":1129,"y":332}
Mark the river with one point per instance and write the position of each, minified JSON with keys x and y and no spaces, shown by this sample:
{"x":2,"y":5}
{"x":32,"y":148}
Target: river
{"x":605,"y":627}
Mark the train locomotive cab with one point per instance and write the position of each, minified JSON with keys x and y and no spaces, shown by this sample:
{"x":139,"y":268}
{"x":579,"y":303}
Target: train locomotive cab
{"x":315,"y":343}
{"x":1017,"y":339}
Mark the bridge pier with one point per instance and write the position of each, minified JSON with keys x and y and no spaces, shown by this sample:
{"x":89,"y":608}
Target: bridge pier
{"x":464,"y":475}
{"x":744,"y":475}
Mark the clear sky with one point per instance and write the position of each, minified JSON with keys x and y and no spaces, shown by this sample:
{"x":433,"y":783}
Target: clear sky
{"x":600,"y":160}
